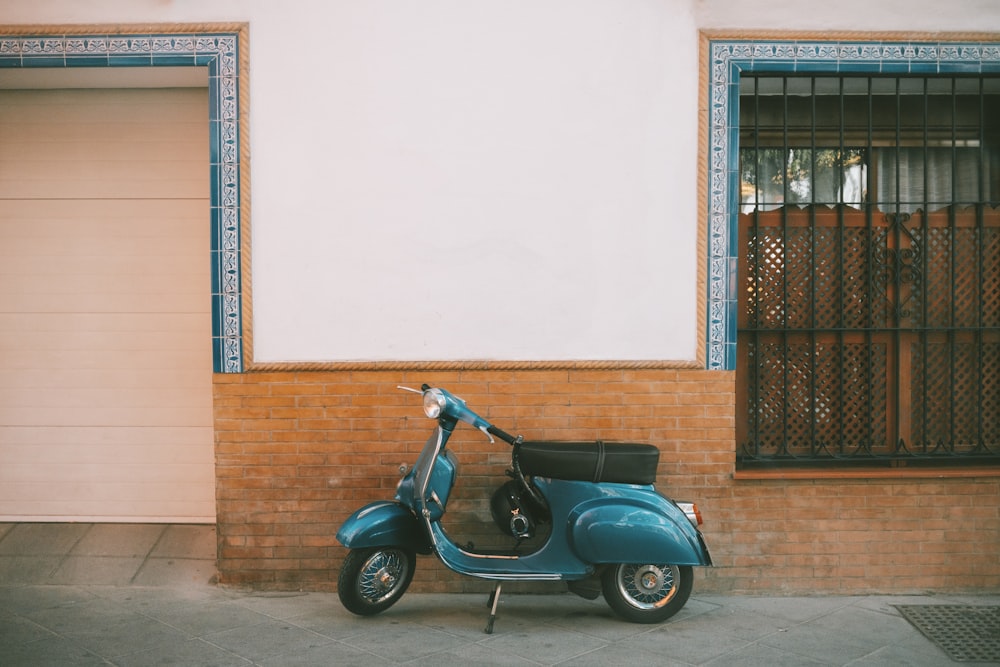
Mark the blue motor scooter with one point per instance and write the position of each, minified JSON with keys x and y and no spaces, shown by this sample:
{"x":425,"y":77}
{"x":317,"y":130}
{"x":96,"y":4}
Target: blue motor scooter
{"x":610,"y":531}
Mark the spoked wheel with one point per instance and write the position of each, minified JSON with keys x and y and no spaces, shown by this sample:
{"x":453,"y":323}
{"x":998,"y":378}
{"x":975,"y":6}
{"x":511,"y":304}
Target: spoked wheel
{"x":372,"y":580}
{"x":647,"y":593}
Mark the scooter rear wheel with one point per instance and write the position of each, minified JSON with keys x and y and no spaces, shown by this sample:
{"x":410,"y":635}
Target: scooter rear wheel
{"x":372,"y":580}
{"x":648,"y":592}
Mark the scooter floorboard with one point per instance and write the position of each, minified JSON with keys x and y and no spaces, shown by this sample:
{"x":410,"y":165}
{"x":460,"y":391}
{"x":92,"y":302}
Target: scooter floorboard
{"x":496,"y":551}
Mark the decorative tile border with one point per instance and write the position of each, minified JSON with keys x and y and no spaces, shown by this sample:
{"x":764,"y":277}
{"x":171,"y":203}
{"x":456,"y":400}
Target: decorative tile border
{"x":219,"y":52}
{"x":728,"y":59}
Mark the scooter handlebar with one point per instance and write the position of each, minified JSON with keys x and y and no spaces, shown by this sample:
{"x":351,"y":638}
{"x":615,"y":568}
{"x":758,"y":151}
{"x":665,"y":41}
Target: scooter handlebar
{"x":500,"y":433}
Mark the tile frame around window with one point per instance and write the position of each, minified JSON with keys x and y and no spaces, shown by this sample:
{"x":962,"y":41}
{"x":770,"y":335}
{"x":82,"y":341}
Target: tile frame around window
{"x":219,"y":52}
{"x":728,"y":59}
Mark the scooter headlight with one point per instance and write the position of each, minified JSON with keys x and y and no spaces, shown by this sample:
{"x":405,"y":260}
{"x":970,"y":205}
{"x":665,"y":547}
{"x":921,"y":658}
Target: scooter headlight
{"x":434,"y":403}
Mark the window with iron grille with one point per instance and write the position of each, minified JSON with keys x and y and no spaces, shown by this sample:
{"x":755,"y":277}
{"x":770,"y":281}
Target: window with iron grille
{"x":869,"y":286}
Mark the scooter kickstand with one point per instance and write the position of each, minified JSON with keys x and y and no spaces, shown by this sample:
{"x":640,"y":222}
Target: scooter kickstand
{"x":494,"y":601}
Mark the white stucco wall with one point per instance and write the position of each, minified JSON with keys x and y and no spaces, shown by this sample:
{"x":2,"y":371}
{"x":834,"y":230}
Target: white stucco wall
{"x":848,"y":15}
{"x":455,"y":179}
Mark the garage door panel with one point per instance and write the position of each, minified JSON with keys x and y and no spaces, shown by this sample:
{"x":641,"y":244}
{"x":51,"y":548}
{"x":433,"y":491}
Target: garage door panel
{"x":19,"y":400}
{"x":116,"y":349}
{"x":122,"y":473}
{"x":88,"y":107}
{"x":165,"y":502}
{"x":100,"y":303}
{"x":79,"y":142}
{"x":50,"y":147}
{"x":102,"y":244}
{"x":101,"y":397}
{"x":57,"y":360}
{"x":72,"y":213}
{"x":176,"y":376}
{"x":97,"y":232}
{"x":99,"y":127}
{"x":42,"y":125}
{"x":154,"y":187}
{"x":130,"y":323}
{"x":48,"y":273}
{"x":105,"y":306}
{"x":68,"y":453}
{"x":167,"y":444}
{"x":73,"y":466}
{"x":138,"y":416}
{"x":98,"y":179}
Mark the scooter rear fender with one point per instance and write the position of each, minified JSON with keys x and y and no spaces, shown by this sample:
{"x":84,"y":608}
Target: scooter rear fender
{"x":643,"y":528}
{"x":383,"y":524}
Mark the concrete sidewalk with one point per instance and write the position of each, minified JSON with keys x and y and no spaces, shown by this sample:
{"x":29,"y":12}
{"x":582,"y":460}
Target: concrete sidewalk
{"x":155,"y":604}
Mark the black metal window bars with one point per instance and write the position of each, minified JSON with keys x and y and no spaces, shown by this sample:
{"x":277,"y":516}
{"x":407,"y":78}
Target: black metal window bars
{"x":869,"y":270}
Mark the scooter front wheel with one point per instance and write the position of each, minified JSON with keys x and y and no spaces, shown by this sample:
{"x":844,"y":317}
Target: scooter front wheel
{"x":647,"y":593}
{"x":372,"y":580}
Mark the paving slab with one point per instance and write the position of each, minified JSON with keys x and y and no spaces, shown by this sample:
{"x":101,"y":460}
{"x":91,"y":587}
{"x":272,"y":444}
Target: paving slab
{"x":54,"y":651}
{"x":28,"y":569}
{"x":761,"y":655}
{"x":175,"y":572}
{"x":268,"y":639}
{"x":186,"y":541}
{"x":552,"y":647}
{"x":326,"y":655}
{"x":96,"y":570}
{"x":128,"y":540}
{"x":189,"y":652}
{"x":41,"y":539}
{"x":21,"y":600}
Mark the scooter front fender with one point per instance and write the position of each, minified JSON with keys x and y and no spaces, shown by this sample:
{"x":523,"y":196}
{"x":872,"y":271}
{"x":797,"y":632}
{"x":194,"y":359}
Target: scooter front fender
{"x":384,"y":524}
{"x":636,"y":529}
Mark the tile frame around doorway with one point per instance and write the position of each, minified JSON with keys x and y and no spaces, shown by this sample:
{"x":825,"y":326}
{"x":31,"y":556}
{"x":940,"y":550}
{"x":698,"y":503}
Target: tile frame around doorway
{"x":222,"y":50}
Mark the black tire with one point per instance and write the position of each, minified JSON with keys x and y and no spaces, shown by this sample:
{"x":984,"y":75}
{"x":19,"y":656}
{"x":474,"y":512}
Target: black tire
{"x":647,"y":593}
{"x":372,"y":580}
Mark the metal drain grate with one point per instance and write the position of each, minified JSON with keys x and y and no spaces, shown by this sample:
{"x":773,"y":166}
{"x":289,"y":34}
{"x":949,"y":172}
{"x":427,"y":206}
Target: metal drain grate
{"x":967,"y":633}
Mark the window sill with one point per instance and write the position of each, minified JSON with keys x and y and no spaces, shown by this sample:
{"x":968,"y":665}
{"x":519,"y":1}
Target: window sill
{"x":866,"y":473}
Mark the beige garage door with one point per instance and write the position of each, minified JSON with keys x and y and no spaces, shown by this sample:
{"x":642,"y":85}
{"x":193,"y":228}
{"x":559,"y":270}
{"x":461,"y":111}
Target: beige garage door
{"x":105,"y":321}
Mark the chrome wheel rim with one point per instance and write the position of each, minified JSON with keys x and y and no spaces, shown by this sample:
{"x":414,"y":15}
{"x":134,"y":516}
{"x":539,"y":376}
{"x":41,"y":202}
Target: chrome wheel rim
{"x":382,"y":575}
{"x":647,"y":586}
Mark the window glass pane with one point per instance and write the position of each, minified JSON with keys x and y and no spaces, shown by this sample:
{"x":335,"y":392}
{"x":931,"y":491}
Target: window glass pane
{"x":773,"y":177}
{"x":911,"y":143}
{"x":928,"y":178}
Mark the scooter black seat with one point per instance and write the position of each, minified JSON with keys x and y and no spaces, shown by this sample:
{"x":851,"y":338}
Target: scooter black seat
{"x":618,"y":462}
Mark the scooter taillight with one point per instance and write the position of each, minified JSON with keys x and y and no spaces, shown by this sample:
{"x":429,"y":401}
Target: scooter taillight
{"x":692,"y":512}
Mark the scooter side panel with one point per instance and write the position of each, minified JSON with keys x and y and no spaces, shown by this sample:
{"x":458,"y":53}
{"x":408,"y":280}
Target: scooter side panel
{"x":633,"y":530}
{"x":383,"y":524}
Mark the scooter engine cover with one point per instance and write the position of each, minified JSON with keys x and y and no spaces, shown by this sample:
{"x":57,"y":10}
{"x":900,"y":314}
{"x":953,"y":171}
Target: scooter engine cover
{"x":616,"y":462}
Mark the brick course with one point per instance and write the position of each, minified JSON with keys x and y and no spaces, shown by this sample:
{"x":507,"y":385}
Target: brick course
{"x":296,"y":452}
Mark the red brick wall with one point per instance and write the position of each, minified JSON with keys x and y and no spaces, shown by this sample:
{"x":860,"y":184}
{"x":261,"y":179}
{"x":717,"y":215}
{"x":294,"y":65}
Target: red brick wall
{"x":298,"y":451}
